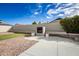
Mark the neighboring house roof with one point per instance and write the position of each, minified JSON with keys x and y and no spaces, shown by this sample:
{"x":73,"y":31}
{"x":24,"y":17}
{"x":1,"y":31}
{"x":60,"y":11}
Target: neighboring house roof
{"x":5,"y":24}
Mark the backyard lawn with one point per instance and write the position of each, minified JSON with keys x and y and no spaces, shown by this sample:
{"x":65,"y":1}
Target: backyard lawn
{"x":8,"y":36}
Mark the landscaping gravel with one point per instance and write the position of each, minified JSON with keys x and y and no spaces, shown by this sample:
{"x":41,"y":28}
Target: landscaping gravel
{"x":15,"y":46}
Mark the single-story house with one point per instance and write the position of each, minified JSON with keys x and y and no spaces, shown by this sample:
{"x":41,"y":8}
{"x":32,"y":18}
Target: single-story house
{"x":38,"y":28}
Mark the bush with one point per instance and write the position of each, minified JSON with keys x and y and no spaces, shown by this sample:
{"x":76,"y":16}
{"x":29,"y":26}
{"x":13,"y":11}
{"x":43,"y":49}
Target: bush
{"x":70,"y":25}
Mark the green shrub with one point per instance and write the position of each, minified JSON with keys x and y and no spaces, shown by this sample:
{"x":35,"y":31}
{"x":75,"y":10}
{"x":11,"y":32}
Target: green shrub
{"x":71,"y":24}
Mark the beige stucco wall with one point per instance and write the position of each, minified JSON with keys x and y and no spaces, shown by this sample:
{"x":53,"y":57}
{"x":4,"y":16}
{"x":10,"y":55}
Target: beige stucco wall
{"x":4,"y":28}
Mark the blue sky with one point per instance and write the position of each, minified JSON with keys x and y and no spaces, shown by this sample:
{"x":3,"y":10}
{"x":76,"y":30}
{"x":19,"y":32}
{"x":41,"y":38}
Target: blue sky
{"x":26,"y":13}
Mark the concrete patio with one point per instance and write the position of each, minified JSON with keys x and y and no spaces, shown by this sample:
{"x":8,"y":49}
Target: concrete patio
{"x":52,"y":46}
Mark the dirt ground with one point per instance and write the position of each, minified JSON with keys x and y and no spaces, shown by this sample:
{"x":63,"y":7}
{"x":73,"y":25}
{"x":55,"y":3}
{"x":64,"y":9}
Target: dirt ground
{"x":15,"y":46}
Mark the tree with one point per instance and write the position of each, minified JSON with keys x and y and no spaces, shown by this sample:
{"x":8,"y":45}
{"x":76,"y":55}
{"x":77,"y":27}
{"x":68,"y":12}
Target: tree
{"x":70,"y":24}
{"x":34,"y":22}
{"x":39,"y":22}
{"x":0,"y":21}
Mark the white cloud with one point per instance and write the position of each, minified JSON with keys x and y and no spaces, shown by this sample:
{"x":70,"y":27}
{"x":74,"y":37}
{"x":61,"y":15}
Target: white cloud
{"x":51,"y":11}
{"x":63,"y":5}
{"x":67,"y":4}
{"x":60,"y":15}
{"x":39,"y":5}
{"x":76,"y":5}
{"x":48,"y":17}
{"x":57,"y":5}
{"x":48,"y":5}
{"x":69,"y":10}
{"x":73,"y":10}
{"x":36,"y":13}
{"x":59,"y":9}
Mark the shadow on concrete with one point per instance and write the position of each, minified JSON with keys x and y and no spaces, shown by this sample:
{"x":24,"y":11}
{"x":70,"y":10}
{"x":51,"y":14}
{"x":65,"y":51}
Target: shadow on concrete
{"x":58,"y":39}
